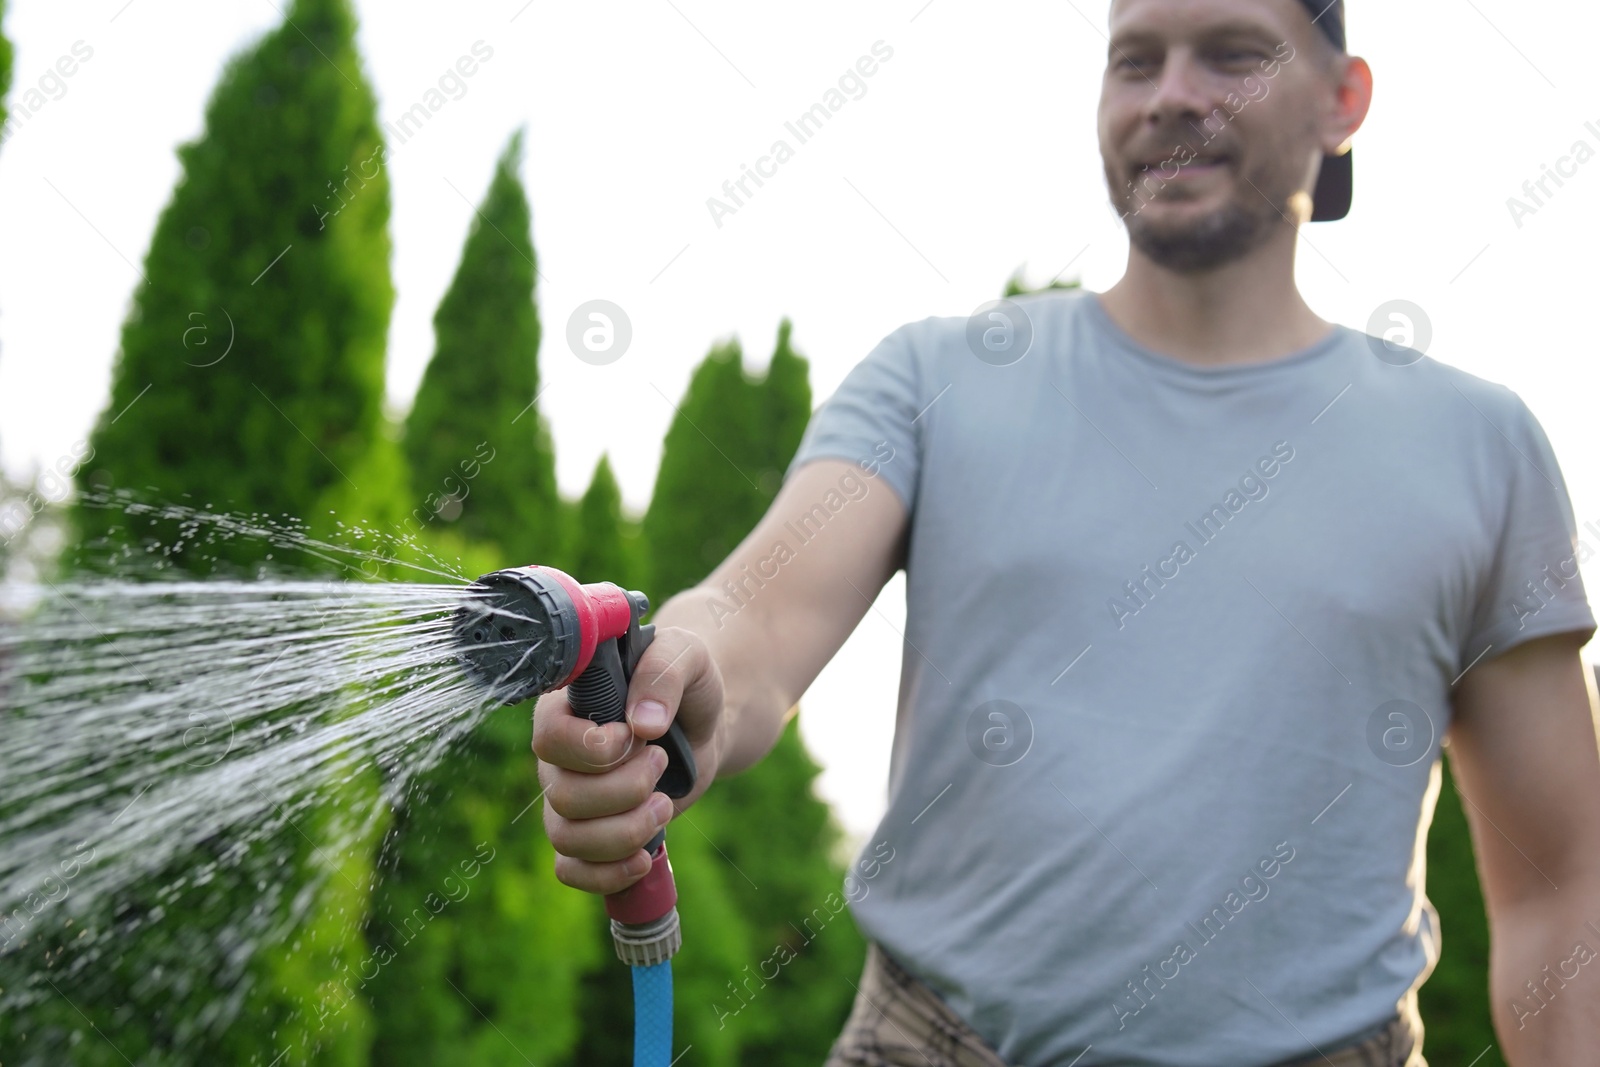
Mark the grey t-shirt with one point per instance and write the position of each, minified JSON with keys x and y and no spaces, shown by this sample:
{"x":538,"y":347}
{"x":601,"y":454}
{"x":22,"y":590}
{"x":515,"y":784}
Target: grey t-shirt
{"x":1178,"y":656}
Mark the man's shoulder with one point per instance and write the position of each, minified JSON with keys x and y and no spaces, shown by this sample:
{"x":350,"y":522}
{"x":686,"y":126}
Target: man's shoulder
{"x":1434,"y":389}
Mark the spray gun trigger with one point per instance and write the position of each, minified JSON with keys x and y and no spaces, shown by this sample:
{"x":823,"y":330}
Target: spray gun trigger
{"x":678,"y":779}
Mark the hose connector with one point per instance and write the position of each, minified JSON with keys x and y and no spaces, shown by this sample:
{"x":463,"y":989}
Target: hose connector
{"x":644,"y":916}
{"x":646,"y":944}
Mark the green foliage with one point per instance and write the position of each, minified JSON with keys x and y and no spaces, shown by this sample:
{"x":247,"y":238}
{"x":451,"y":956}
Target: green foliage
{"x":299,"y":1005}
{"x":1454,"y":1001}
{"x":1017,"y":286}
{"x":483,"y":970}
{"x":774,"y":832}
{"x":226,"y":956}
{"x":5,"y":65}
{"x":719,"y":944}
{"x":255,"y":257}
{"x":601,"y":551}
{"x":723,"y":462}
{"x":478,"y":387}
{"x":716,"y":938}
{"x":250,"y":379}
{"x":480,"y":946}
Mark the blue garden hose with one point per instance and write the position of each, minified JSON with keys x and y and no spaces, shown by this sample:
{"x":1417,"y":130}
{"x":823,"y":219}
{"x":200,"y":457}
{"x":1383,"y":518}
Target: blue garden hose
{"x":652,"y":1015}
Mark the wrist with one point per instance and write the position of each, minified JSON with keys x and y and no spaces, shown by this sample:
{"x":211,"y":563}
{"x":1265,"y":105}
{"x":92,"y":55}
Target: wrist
{"x":751,"y":717}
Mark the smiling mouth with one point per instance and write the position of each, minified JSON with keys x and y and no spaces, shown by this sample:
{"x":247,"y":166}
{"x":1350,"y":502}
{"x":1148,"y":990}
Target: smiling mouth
{"x":1197,"y":163}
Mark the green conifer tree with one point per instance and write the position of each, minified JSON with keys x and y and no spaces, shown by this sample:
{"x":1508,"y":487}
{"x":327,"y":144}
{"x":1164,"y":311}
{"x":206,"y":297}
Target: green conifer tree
{"x":602,"y":550}
{"x":481,"y":945}
{"x":493,"y":975}
{"x":717,"y":939}
{"x":723,"y":462}
{"x":479,"y":388}
{"x":251,"y":369}
{"x":515,"y":964}
{"x":250,"y":379}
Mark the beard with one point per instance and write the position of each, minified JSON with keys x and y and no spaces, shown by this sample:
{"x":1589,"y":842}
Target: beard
{"x":1206,"y":242}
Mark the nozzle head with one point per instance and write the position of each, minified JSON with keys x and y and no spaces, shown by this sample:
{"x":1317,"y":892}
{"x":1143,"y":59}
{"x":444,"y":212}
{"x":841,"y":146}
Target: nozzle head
{"x":518,"y":632}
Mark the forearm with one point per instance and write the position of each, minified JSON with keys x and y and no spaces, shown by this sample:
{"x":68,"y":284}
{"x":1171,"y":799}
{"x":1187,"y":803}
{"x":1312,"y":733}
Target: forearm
{"x":754,"y":706}
{"x":779,"y":607}
{"x":1545,"y":977}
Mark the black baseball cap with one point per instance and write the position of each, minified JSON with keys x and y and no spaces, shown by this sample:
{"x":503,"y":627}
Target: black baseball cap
{"x":1331,"y":199}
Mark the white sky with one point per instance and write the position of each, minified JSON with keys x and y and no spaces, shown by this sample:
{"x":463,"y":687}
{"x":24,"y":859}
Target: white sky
{"x":972,"y":153}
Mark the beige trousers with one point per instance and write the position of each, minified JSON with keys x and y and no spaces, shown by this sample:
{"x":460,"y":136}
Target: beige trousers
{"x":897,"y":1021}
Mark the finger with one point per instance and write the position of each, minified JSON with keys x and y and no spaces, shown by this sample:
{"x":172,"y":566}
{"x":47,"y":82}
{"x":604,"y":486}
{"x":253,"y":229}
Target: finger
{"x":609,"y":837}
{"x":575,"y":795}
{"x":603,"y":878}
{"x":675,"y":672}
{"x":565,"y":739}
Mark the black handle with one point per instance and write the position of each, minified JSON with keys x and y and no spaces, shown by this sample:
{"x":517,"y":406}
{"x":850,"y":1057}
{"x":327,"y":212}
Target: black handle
{"x":600,"y":694}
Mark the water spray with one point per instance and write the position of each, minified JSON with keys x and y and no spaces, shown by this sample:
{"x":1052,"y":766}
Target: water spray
{"x":530,"y":630}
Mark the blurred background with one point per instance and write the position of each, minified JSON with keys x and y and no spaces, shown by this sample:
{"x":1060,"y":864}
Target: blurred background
{"x":484,"y":274}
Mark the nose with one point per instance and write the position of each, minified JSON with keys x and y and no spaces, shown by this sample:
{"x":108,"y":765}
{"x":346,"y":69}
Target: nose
{"x":1178,"y":91}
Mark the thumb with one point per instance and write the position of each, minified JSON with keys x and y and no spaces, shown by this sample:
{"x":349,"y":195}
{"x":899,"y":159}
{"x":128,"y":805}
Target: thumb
{"x":674,"y":679}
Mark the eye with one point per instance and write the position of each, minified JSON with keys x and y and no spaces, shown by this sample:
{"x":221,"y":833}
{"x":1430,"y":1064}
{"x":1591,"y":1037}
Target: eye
{"x":1126,"y":63}
{"x":1234,"y":57}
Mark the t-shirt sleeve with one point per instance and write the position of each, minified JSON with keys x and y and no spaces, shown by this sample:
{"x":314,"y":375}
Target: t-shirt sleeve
{"x":1533,"y":587}
{"x":872,"y":418}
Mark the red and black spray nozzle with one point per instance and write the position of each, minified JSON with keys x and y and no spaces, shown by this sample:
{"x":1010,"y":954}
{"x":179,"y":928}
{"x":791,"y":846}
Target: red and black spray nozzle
{"x":525,"y":631}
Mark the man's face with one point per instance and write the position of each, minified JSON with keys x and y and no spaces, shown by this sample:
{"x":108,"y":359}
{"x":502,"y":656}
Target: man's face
{"x":1209,"y":123}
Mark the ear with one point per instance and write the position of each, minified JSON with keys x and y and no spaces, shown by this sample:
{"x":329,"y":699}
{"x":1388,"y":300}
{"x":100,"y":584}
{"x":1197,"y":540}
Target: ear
{"x":1352,"y":99}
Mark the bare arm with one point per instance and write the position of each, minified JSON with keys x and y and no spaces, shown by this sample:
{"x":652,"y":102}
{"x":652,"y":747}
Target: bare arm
{"x":728,"y":664}
{"x":1523,"y":749}
{"x":777,"y":609}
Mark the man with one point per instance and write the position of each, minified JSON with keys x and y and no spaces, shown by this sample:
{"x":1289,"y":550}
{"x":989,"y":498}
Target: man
{"x":1197,"y":584}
